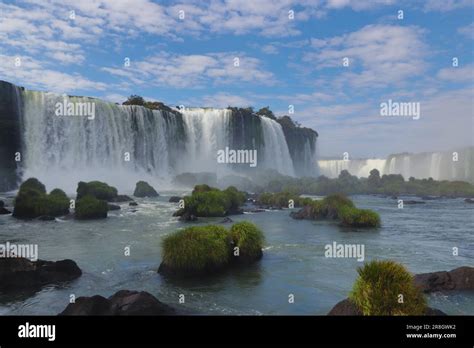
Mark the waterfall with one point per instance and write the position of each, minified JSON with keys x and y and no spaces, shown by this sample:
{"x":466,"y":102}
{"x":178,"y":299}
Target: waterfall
{"x":122,"y":144}
{"x":448,"y":165}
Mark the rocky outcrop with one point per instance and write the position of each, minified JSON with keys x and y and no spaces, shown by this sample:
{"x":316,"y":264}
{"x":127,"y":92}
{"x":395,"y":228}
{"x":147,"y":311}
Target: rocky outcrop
{"x":21,"y":273}
{"x":174,"y":199}
{"x":113,"y":207}
{"x":143,"y":189}
{"x":469,"y":200}
{"x":461,"y":278}
{"x":303,"y":213}
{"x":347,"y":307}
{"x":123,"y":302}
{"x":10,"y":137}
{"x":121,"y":199}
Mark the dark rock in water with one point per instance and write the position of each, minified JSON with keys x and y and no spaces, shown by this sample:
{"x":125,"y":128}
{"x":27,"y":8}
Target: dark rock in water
{"x":186,"y":216}
{"x":413,"y":202}
{"x":255,"y":211}
{"x":143,"y":189}
{"x":429,"y":198}
{"x":46,"y":218}
{"x":133,"y":204}
{"x":469,"y":200}
{"x":123,"y":302}
{"x":347,"y":307}
{"x":89,"y":207}
{"x":97,"y":189}
{"x":133,"y":211}
{"x":303,"y":213}
{"x":174,"y":199}
{"x":20,"y":273}
{"x":3,"y":210}
{"x":121,"y":199}
{"x":113,"y":206}
{"x":461,"y":278}
{"x":394,"y":197}
{"x":226,"y":220}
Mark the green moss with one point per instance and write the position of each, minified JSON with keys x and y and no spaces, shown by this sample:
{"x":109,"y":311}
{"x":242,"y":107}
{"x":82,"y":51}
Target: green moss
{"x":378,"y":288}
{"x":32,"y":201}
{"x":97,"y":189}
{"x":249,"y":239}
{"x":359,"y":217}
{"x":282,"y":199}
{"x":89,"y":207}
{"x":143,"y":189}
{"x":195,"y":250}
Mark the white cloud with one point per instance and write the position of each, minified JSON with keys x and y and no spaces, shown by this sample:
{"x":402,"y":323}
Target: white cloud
{"x":467,"y":30}
{"x":358,"y":5}
{"x":180,"y":71}
{"x":446,"y":5}
{"x":457,"y":74}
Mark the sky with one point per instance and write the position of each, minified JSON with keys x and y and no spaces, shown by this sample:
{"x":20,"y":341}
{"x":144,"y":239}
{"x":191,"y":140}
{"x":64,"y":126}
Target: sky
{"x":283,"y":54}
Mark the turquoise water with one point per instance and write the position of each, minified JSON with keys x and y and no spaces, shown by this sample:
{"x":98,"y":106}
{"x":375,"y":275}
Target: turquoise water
{"x":419,"y":236}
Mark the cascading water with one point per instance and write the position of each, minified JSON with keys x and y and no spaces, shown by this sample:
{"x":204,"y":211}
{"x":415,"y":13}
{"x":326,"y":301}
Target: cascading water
{"x":123,"y":144}
{"x":448,"y":165}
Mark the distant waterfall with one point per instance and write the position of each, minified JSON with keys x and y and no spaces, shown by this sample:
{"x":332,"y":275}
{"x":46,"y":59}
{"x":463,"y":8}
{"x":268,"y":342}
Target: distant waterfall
{"x":448,"y":165}
{"x":123,"y":144}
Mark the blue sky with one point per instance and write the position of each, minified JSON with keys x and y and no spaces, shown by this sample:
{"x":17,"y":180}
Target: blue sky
{"x":282,"y":61}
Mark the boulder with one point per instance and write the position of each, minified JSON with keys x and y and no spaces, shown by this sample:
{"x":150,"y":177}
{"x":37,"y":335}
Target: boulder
{"x":226,"y":220}
{"x":123,"y":302}
{"x":347,"y":307}
{"x":143,"y":189}
{"x":45,"y":218}
{"x":97,"y":189}
{"x":469,"y":200}
{"x":413,"y":202}
{"x":89,"y":207}
{"x":113,"y":206}
{"x":133,"y":204}
{"x":186,"y":216}
{"x":461,"y":278}
{"x":121,"y":199}
{"x":20,"y":273}
{"x":3,"y":210}
{"x":303,"y":213}
{"x":175,"y":199}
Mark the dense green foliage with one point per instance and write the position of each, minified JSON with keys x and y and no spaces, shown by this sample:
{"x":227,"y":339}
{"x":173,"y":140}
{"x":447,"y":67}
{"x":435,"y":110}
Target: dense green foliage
{"x":248,"y":239}
{"x":281,"y":199}
{"x":153,"y":105}
{"x":206,"y":201}
{"x":89,"y":207}
{"x":143,"y":189}
{"x":386,"y":185}
{"x":97,"y":189}
{"x":387,"y":288}
{"x":32,"y":201}
{"x":338,"y":207}
{"x":206,"y":249}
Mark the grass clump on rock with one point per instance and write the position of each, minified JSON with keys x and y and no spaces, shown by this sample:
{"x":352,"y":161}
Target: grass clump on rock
{"x":206,"y":201}
{"x":89,"y":207}
{"x":97,"y":189}
{"x":387,"y":288}
{"x":204,"y":250}
{"x":338,"y":207}
{"x":32,"y":201}
{"x":143,"y":189}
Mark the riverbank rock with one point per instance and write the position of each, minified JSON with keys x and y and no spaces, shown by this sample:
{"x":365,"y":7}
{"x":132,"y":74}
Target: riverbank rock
{"x":461,"y":278}
{"x":469,"y":200}
{"x":174,"y":199}
{"x":226,"y":220}
{"x":97,"y":189}
{"x":413,"y":202}
{"x":20,"y":273}
{"x":347,"y":307}
{"x":133,"y":204}
{"x":123,"y":302}
{"x":143,"y":189}
{"x":303,"y":213}
{"x":186,"y":216}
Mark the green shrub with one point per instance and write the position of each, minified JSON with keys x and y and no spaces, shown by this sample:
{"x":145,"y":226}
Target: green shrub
{"x":249,"y":239}
{"x":196,"y":250}
{"x":378,"y":288}
{"x":32,"y":201}
{"x":89,"y":207}
{"x":143,"y":189}
{"x":235,"y":198}
{"x":359,"y":217}
{"x":33,"y":184}
{"x":97,"y":189}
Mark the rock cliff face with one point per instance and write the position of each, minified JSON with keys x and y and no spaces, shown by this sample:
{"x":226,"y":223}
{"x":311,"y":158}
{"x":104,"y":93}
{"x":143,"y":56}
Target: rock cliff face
{"x":10,"y":137}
